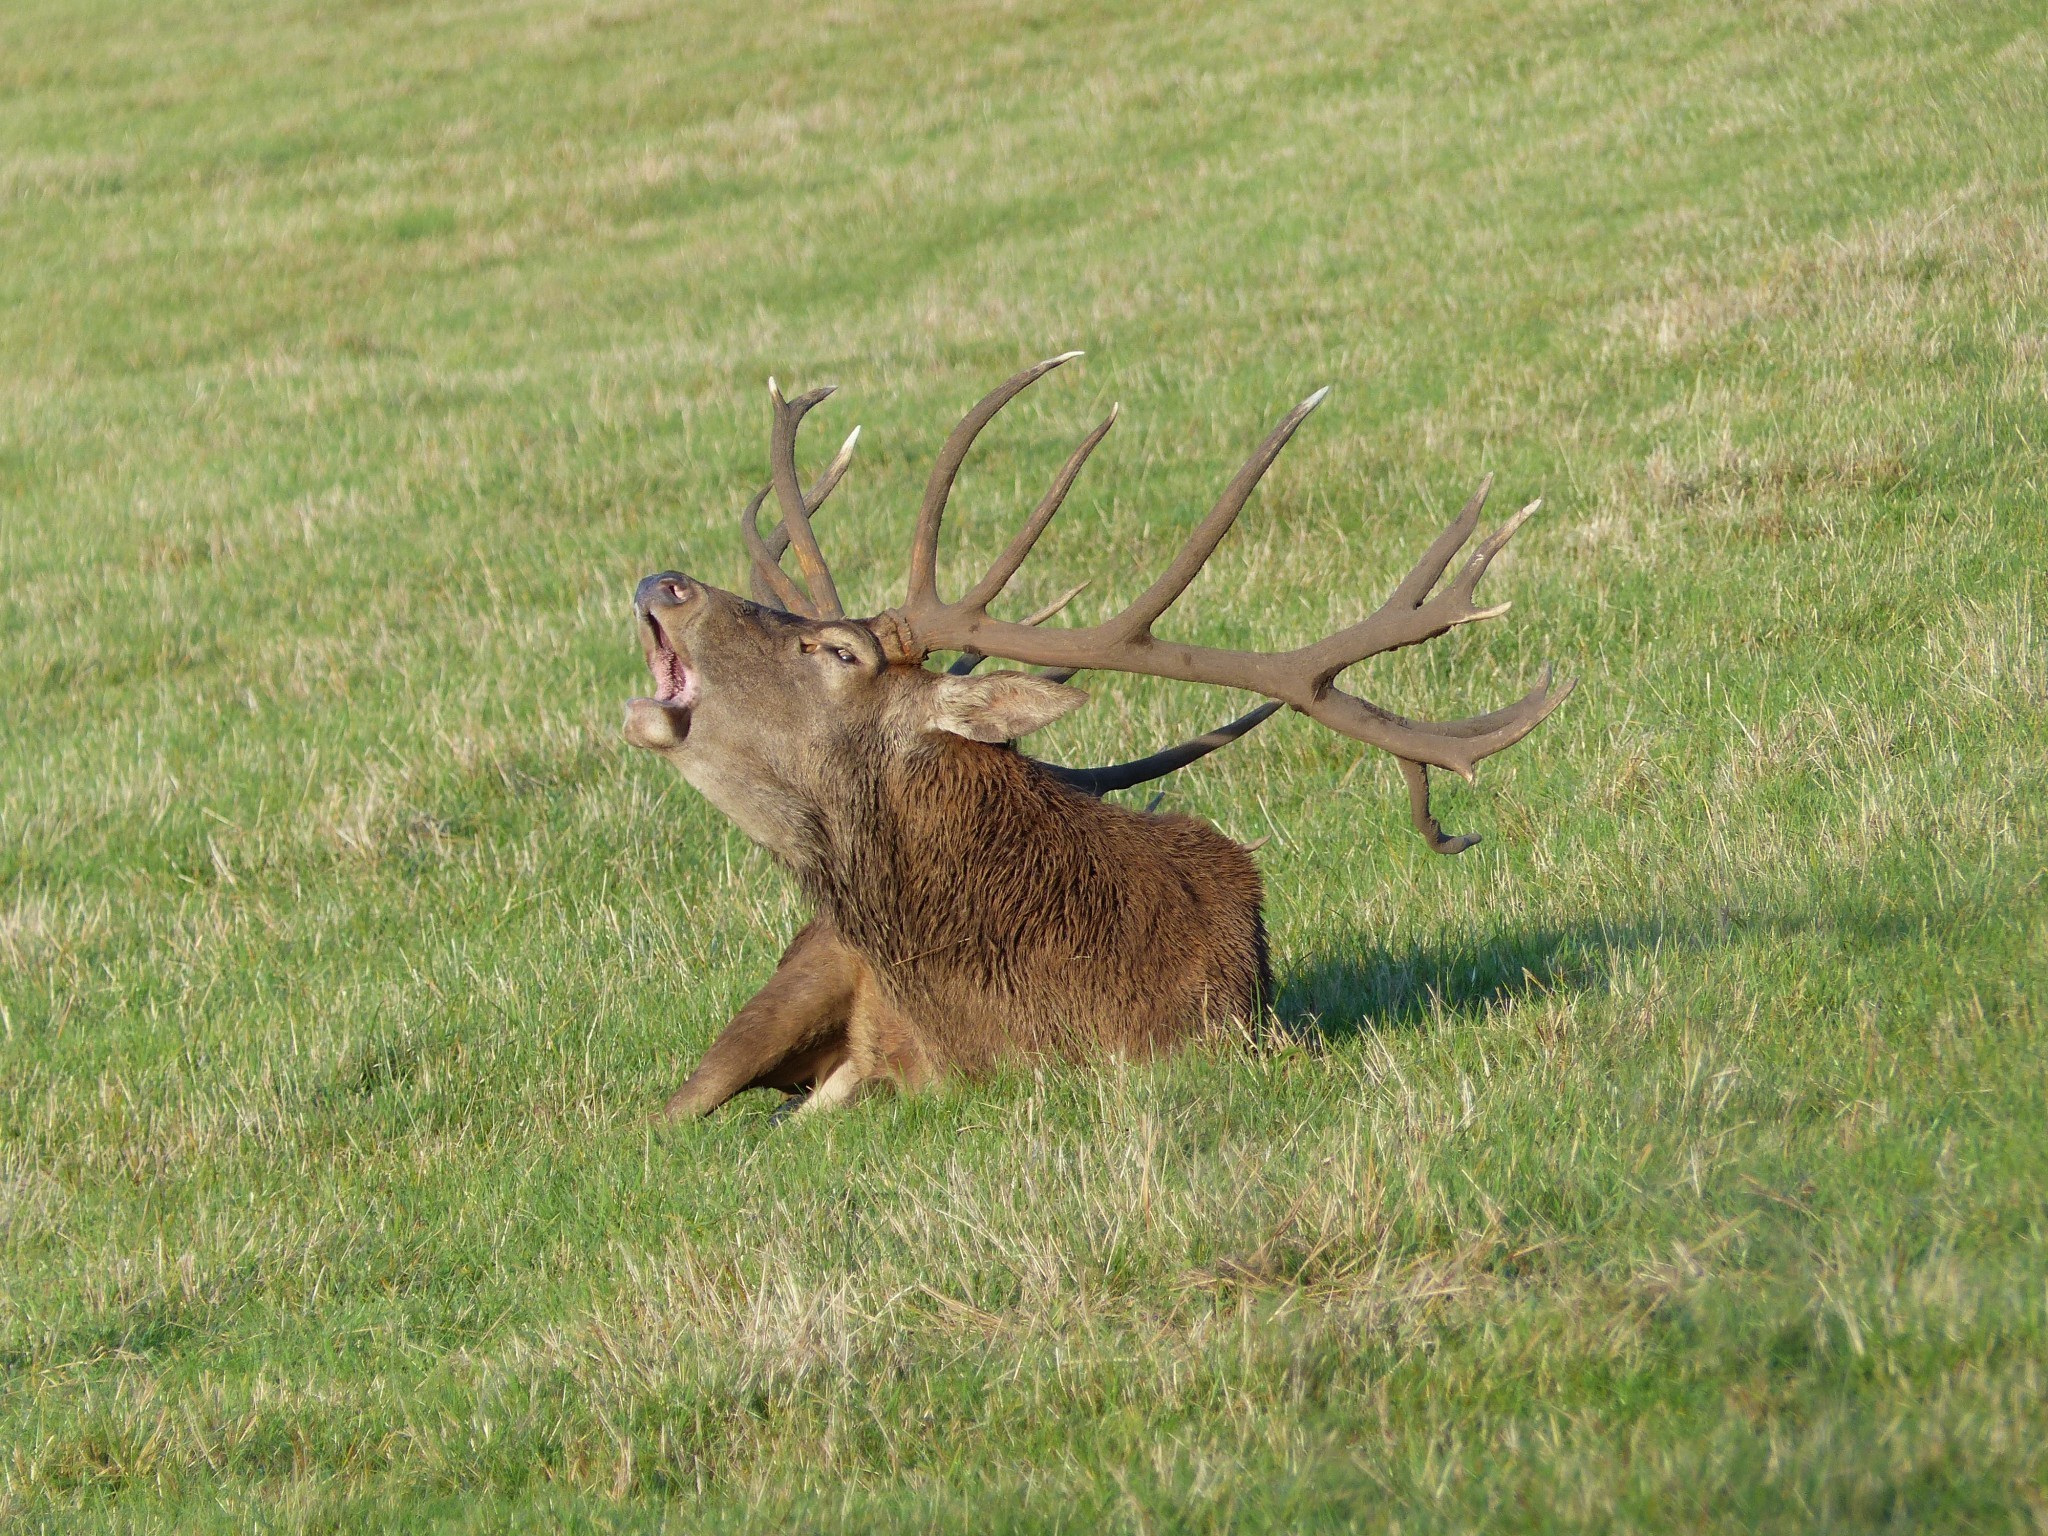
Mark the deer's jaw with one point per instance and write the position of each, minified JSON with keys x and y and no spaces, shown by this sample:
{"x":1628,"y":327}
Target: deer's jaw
{"x":740,"y":784}
{"x":655,"y":726}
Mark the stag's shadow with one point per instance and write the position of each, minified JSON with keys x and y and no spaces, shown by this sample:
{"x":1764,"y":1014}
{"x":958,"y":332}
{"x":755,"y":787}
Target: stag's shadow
{"x":1352,"y":984}
{"x":1355,"y":983}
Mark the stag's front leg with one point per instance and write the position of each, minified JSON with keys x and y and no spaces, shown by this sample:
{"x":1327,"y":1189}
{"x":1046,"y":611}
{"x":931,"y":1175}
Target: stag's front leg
{"x":845,"y":1083}
{"x":883,"y":1049}
{"x":791,"y":1032}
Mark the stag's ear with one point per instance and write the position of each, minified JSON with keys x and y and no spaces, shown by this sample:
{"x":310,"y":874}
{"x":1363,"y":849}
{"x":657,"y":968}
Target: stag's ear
{"x":1000,"y":706}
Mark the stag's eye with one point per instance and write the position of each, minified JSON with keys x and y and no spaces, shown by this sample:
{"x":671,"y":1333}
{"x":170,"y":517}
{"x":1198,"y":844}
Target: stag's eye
{"x":840,"y":652}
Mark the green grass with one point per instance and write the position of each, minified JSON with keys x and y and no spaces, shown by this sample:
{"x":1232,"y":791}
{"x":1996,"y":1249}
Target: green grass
{"x":1675,"y":1159}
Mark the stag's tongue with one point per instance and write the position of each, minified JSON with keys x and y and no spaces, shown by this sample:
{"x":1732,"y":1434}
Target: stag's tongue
{"x":674,"y":682}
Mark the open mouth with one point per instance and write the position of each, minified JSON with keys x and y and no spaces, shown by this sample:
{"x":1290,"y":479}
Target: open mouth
{"x":674,"y":681}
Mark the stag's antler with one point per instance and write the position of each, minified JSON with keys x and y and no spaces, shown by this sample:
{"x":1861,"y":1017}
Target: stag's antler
{"x":1303,"y":678}
{"x":772,"y":586}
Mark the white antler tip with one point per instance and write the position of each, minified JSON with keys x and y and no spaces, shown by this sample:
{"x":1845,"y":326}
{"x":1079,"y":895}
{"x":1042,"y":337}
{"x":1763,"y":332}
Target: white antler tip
{"x":1064,"y":357}
{"x":1315,"y":399}
{"x":1114,"y":407}
{"x":774,"y":388}
{"x":1533,"y":508}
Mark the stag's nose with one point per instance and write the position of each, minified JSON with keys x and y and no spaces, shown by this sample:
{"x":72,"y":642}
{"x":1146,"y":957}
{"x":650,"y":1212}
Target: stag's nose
{"x":668,"y":589}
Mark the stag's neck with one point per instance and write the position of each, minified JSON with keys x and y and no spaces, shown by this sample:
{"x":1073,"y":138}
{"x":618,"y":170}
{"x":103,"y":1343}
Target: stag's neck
{"x":914,"y":871}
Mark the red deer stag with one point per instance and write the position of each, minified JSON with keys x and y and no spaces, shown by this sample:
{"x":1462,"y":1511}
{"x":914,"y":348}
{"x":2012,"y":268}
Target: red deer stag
{"x":972,"y":903}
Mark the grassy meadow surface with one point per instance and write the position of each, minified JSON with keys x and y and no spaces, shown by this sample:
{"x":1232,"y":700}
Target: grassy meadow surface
{"x":1675,"y":1159}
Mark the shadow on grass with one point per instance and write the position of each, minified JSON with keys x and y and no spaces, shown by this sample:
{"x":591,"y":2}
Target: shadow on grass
{"x":1356,"y":984}
{"x":1353,"y":983}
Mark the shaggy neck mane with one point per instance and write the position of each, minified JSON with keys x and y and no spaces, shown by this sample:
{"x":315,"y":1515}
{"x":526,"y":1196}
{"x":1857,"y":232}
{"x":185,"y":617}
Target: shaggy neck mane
{"x":938,"y":863}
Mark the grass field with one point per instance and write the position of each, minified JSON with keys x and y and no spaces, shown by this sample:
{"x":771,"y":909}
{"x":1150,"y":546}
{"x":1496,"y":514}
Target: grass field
{"x":1677,"y":1159}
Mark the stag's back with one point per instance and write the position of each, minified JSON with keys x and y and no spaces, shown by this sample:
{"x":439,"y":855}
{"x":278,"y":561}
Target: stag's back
{"x":1005,"y":913}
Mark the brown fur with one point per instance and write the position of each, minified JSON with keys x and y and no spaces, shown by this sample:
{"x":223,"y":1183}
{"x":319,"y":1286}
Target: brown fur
{"x":1009,"y":915}
{"x":971,"y":908}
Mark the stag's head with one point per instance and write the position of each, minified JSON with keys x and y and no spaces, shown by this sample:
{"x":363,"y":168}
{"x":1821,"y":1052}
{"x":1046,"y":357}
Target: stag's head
{"x":770,"y":714}
{"x":780,"y":704}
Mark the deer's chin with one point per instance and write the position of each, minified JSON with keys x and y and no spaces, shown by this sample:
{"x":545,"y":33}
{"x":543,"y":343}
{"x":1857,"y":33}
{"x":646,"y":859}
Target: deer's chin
{"x":659,"y":725}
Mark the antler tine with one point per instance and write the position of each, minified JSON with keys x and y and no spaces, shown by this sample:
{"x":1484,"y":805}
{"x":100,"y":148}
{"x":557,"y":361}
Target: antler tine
{"x":1418,"y":809}
{"x":772,"y":588}
{"x":986,"y":590}
{"x":1136,"y":621}
{"x":1482,"y":557}
{"x":1100,"y":781}
{"x":1498,"y":719}
{"x":1058,"y":604}
{"x":1455,"y":745}
{"x":924,"y":545}
{"x":796,"y":517}
{"x":1429,"y":570}
{"x":777,"y":538}
{"x":1527,"y":713}
{"x":1411,"y":616}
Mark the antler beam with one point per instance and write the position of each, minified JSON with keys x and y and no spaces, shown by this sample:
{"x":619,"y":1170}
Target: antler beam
{"x":1304,"y":678}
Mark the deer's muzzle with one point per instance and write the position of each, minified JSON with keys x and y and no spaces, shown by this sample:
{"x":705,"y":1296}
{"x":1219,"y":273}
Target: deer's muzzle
{"x":663,"y":603}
